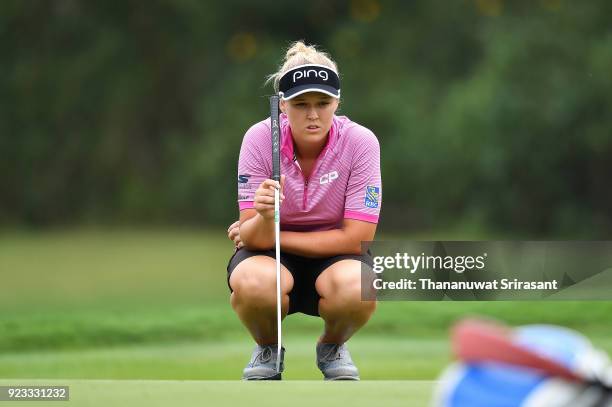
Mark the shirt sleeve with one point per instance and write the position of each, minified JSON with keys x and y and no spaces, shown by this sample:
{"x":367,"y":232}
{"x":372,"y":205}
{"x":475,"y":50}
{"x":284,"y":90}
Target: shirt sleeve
{"x":363,"y":198}
{"x":253,"y":165}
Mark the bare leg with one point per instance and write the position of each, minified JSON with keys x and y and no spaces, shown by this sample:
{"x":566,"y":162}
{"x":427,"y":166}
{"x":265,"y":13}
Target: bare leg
{"x":340,"y":305}
{"x":253,"y":299}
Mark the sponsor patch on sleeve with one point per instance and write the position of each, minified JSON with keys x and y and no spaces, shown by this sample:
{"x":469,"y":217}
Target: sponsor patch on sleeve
{"x":371,"y":196}
{"x":243,"y":178}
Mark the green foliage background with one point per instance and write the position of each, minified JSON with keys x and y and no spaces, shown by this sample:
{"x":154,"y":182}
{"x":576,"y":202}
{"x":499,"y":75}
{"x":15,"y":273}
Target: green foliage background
{"x":489,"y":113}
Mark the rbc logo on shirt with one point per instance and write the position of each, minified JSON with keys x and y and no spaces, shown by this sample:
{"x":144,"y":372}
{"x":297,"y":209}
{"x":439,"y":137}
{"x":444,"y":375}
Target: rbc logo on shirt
{"x":371,"y":196}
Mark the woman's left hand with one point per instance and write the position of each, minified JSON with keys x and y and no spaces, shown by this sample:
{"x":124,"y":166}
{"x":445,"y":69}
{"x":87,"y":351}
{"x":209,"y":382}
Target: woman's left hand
{"x":233,"y":233}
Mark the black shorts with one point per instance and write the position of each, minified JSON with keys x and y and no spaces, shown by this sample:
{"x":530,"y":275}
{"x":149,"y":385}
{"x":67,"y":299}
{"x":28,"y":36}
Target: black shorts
{"x":305,"y":270}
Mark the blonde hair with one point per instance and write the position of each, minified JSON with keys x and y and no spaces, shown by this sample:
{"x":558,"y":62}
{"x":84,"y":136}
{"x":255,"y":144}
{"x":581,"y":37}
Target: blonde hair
{"x":298,"y":54}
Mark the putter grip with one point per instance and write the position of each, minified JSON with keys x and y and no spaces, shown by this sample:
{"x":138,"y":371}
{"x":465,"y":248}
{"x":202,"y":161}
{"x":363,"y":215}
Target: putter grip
{"x":274,"y":125}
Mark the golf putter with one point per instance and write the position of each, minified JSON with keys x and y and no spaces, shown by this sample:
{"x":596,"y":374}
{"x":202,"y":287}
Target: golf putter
{"x":274,"y":119}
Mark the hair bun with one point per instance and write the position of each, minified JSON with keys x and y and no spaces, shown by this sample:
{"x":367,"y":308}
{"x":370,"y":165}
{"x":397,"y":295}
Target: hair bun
{"x":297,"y":54}
{"x":298,"y":47}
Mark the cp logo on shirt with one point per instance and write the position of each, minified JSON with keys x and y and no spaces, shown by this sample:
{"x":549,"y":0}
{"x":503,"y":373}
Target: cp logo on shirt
{"x":327,"y":178}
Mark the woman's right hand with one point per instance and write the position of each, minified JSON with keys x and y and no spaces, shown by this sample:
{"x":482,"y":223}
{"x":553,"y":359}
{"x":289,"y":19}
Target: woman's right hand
{"x":233,"y":233}
{"x":264,"y":197}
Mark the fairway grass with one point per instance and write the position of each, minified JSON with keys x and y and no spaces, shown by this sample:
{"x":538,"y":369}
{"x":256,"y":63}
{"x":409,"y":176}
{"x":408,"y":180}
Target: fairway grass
{"x":97,"y":288}
{"x":151,"y":393}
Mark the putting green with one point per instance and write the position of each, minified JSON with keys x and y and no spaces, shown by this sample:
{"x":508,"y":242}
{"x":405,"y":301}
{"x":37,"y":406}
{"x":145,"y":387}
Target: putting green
{"x":150,"y":393}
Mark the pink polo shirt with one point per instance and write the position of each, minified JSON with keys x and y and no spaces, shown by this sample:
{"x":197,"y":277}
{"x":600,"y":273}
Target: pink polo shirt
{"x":344,"y":183}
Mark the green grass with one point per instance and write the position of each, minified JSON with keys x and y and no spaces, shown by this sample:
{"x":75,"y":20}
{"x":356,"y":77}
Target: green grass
{"x":104,"y":304}
{"x":73,"y":269}
{"x":94,"y":393}
{"x":112,"y":324}
{"x":378,"y":358}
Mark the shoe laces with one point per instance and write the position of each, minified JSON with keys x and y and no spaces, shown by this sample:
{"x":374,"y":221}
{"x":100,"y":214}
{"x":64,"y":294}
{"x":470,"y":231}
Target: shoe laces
{"x":264,"y":356}
{"x":334,"y":353}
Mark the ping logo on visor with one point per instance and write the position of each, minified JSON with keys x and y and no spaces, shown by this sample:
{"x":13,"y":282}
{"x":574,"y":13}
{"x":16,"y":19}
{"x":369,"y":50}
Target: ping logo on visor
{"x":307,"y":72}
{"x":309,"y":78}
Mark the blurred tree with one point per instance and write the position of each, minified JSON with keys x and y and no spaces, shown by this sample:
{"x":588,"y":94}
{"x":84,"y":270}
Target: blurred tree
{"x":490,"y":113}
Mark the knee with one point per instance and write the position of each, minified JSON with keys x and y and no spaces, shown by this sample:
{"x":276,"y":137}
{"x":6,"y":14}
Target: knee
{"x":256,"y":288}
{"x":344,"y":288}
{"x":348,"y":300}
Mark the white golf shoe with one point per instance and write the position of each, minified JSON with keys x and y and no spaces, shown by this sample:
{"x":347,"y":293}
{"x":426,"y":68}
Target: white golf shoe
{"x":263,"y":364}
{"x":334,"y":360}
